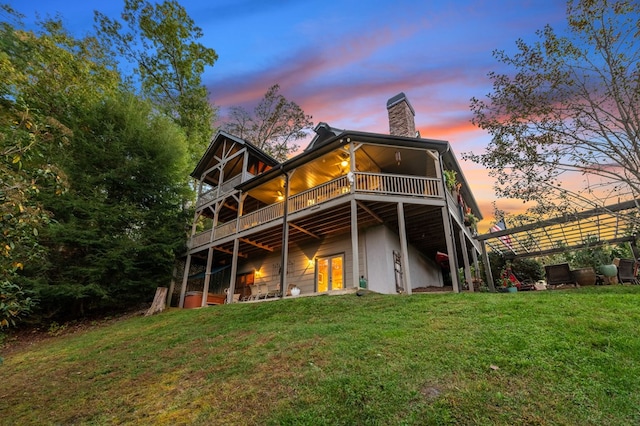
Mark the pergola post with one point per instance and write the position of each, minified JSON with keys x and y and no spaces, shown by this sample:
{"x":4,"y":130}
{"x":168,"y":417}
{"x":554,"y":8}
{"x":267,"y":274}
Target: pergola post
{"x":487,"y":267}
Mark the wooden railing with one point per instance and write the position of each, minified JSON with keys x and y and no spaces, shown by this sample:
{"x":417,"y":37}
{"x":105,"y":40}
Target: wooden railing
{"x":397,"y":185}
{"x":200,"y":239}
{"x":372,"y":183}
{"x":264,"y":215}
{"x":225,"y":229}
{"x":226,"y":187}
{"x":325,"y":192}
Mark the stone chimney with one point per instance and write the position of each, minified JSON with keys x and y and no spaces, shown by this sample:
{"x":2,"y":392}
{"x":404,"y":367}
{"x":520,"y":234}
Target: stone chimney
{"x":401,"y":116}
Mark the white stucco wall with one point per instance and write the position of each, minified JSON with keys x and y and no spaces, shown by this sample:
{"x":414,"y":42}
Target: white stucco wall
{"x":380,"y":242}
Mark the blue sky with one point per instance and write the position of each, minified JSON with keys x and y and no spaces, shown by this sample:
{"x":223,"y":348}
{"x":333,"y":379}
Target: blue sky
{"x":341,"y":61}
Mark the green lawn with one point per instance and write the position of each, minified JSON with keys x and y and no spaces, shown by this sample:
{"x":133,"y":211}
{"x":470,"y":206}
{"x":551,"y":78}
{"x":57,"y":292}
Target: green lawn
{"x":564,"y":357}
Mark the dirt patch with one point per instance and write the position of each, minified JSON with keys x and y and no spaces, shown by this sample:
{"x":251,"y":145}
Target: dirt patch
{"x":430,"y":289}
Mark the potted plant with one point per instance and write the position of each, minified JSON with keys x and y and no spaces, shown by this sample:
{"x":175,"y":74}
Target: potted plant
{"x":450,"y":179}
{"x":508,"y":280}
{"x":470,"y":219}
{"x":588,"y":262}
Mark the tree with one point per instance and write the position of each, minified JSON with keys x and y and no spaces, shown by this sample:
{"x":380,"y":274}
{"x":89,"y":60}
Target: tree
{"x":573,"y":105}
{"x":160,"y":39}
{"x":93,"y":179}
{"x":27,"y":136}
{"x":120,"y":223}
{"x":275,"y":124}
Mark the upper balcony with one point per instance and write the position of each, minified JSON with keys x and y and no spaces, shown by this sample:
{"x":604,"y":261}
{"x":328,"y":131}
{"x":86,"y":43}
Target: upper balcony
{"x":221,"y":190}
{"x":352,"y":183}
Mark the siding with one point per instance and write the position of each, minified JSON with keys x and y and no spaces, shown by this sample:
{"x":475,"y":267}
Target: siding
{"x":300,"y":270}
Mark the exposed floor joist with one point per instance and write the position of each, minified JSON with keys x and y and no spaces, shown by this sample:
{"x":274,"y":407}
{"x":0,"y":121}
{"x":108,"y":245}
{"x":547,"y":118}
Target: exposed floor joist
{"x":366,"y":209}
{"x":301,"y":229}
{"x":224,"y":250}
{"x":257,"y":244}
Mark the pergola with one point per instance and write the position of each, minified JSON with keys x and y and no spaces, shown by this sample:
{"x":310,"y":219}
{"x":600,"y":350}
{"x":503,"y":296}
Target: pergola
{"x":610,"y":224}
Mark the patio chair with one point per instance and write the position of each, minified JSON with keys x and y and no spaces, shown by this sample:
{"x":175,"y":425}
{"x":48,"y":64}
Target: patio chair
{"x":263,"y":291}
{"x":559,"y":274}
{"x":627,"y":271}
{"x":255,"y":292}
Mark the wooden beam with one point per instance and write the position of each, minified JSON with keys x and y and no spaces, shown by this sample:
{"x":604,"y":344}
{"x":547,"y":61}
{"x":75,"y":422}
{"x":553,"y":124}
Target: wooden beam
{"x":230,"y":207}
{"x":301,"y":229}
{"x":368,"y":210}
{"x":224,"y":250}
{"x":257,"y":244}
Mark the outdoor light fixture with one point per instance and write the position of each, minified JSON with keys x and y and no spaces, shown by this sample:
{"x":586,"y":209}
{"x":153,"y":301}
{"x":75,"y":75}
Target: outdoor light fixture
{"x":344,"y":163}
{"x":280,"y":197}
{"x":398,"y":157}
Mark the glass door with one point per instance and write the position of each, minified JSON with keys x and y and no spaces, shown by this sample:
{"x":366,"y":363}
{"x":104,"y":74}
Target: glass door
{"x":330,"y":273}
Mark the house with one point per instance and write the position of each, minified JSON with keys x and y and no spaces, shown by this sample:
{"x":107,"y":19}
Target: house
{"x":352,"y":206}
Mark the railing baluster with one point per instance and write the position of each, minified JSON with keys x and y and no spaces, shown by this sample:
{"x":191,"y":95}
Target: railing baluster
{"x":363,"y":182}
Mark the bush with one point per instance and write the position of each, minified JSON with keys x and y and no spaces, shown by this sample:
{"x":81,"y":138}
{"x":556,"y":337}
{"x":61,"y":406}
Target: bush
{"x":14,"y":304}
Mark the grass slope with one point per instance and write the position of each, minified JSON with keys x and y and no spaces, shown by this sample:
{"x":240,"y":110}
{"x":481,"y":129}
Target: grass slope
{"x":548,"y":358}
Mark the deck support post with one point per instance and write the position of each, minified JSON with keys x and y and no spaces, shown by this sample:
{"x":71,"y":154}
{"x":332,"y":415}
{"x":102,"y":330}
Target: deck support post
{"x":405,"y":250}
{"x":207,"y":277}
{"x":234,"y":271}
{"x":185,"y":278}
{"x":354,"y":243}
{"x":284,"y":259}
{"x":451,"y":249}
{"x":465,"y":260}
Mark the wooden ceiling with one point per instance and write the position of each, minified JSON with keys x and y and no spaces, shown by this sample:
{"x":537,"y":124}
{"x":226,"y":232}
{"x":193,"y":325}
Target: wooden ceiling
{"x":423,"y":224}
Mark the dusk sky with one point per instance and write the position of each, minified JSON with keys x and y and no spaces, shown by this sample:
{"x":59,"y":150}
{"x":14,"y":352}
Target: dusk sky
{"x":341,"y":61}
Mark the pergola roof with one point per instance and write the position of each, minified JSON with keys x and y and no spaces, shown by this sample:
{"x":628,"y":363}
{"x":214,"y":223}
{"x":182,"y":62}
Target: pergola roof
{"x":608,"y":224}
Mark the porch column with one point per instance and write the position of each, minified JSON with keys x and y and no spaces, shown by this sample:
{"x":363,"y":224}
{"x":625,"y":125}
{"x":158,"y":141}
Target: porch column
{"x":185,"y":278}
{"x":465,"y":260}
{"x":214,"y":223}
{"x":354,"y":243}
{"x":406,"y":274}
{"x":234,"y":271}
{"x":207,"y":277}
{"x":487,"y":267}
{"x":451,"y":249}
{"x":172,"y":284}
{"x":284,"y":258}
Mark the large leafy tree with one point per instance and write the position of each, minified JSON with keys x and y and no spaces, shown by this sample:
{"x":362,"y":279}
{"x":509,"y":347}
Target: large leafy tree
{"x":571,"y":105}
{"x":275,"y":125}
{"x":27,"y":137}
{"x":160,"y":40}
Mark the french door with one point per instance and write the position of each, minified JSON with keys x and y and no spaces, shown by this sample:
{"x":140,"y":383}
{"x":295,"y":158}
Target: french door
{"x":330,"y":273}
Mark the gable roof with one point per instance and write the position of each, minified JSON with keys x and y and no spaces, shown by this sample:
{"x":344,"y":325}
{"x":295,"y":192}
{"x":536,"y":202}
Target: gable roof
{"x":218,"y":138}
{"x":321,"y":147}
